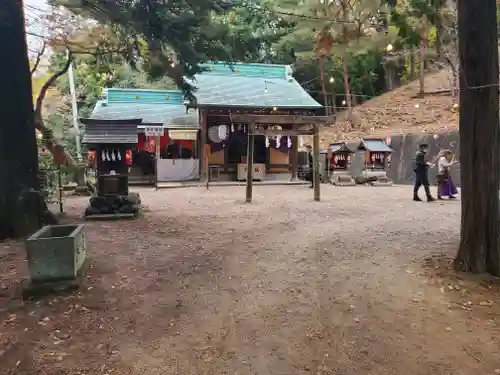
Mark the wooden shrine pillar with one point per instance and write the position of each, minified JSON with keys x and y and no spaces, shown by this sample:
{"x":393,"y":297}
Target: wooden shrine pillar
{"x":204,"y":154}
{"x":157,"y":158}
{"x":294,"y":157}
{"x":301,"y":125}
{"x":316,"y":174}
{"x":250,"y":149}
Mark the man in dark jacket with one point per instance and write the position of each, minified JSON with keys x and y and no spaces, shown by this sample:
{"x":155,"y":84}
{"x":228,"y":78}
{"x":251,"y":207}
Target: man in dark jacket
{"x":422,"y":173}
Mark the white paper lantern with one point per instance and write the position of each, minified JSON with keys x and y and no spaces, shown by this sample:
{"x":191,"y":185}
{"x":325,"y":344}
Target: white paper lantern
{"x":213,"y":134}
{"x":267,"y":142}
{"x":222,"y":132}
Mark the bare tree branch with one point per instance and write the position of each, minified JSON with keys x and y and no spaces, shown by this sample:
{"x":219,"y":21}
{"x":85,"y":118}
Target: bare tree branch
{"x":49,"y":83}
{"x":35,"y":35}
{"x":58,"y":152}
{"x":38,"y":58}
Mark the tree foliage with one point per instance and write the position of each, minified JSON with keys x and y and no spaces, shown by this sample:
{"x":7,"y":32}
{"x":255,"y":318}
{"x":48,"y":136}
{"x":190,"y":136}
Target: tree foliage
{"x":172,"y":38}
{"x":366,"y":77}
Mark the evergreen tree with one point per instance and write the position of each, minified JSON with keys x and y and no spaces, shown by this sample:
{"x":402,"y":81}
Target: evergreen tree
{"x":342,"y":28}
{"x":479,"y":249}
{"x":171,"y":38}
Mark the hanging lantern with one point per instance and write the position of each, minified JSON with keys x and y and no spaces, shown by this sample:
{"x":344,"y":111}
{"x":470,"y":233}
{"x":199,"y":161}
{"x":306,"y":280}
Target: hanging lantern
{"x":91,"y":155}
{"x":267,"y":141}
{"x":222,"y":132}
{"x":278,"y":141}
{"x":91,"y":159}
{"x":373,"y":158}
{"x":232,"y":128}
{"x":301,"y":141}
{"x":289,"y":142}
{"x":213,"y":134}
{"x":349,"y":159}
{"x":128,"y":157}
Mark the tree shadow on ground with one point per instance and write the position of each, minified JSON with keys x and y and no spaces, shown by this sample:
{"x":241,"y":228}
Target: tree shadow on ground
{"x":478,"y":294}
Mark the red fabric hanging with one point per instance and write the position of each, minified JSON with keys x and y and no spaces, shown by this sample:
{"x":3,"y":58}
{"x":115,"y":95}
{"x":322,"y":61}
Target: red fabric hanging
{"x":141,"y":142}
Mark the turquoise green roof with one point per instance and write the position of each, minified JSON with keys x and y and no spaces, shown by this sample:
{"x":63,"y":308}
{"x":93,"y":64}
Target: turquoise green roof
{"x":152,"y":106}
{"x":171,"y":97}
{"x":239,"y":85}
{"x":250,"y":86}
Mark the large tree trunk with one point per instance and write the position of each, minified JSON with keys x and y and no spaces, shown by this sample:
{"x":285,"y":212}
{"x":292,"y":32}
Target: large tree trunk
{"x":423,"y":51}
{"x":347,"y":88}
{"x":20,"y":207}
{"x":412,"y":65}
{"x":322,"y":78}
{"x":479,"y":137}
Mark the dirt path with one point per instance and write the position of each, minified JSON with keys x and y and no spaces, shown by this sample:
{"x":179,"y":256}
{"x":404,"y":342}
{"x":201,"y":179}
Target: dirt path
{"x":205,"y":284}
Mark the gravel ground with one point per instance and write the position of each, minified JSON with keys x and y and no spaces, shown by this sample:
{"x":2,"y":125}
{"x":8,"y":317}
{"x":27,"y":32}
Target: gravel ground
{"x":205,"y":284}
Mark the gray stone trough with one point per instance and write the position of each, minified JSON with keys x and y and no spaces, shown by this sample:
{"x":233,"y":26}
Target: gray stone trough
{"x":56,"y":253}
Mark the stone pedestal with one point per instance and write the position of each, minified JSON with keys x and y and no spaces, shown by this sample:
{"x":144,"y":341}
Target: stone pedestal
{"x":113,"y":206}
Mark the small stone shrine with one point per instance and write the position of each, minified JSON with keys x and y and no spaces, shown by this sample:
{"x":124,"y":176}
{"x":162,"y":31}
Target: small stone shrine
{"x":110,"y":139}
{"x":340,"y":162}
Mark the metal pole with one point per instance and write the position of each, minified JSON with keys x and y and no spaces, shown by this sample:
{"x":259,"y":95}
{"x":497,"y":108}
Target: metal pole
{"x":74,"y":107}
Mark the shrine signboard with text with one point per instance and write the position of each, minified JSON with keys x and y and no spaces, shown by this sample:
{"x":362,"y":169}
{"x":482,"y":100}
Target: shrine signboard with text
{"x":154,"y":131}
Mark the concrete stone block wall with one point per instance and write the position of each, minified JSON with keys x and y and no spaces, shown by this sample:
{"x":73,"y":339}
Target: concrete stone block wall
{"x":405,"y":147}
